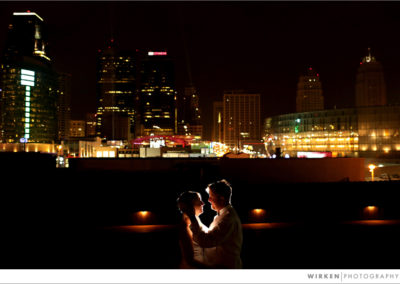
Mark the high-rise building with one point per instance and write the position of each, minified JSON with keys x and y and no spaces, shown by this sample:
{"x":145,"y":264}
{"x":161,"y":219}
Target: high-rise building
{"x":90,"y":128}
{"x":189,"y":115}
{"x":116,"y":82}
{"x":241,"y":118}
{"x":29,"y":86}
{"x":309,"y":92}
{"x":217,"y":130}
{"x":370,"y":83}
{"x":64,"y":105}
{"x":77,"y":128}
{"x":157,"y":94}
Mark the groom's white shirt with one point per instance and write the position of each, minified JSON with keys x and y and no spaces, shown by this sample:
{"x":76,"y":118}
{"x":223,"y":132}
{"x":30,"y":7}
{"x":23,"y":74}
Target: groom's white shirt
{"x":222,"y":241}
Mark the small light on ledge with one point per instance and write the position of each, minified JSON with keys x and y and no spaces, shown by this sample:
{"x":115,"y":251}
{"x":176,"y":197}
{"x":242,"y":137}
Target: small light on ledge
{"x":372,"y":212}
{"x":143,"y":217}
{"x":257,"y":215}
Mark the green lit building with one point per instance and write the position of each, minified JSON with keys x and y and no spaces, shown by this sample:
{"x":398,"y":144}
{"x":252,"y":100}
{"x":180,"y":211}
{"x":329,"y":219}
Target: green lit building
{"x":28,"y":85}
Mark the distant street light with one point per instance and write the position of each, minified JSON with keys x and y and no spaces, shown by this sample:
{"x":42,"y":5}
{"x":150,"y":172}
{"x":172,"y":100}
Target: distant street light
{"x":371,"y":169}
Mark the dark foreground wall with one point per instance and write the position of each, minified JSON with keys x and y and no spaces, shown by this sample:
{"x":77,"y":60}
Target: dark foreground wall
{"x":57,"y":218}
{"x":260,"y":170}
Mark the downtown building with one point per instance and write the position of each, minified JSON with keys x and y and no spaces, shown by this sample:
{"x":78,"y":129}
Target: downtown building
{"x":189,"y":115}
{"x":217,"y":125}
{"x":309,"y":92}
{"x":370,"y":130}
{"x":28,"y":88}
{"x":116,"y":90}
{"x":157,"y":95}
{"x":241,"y":119}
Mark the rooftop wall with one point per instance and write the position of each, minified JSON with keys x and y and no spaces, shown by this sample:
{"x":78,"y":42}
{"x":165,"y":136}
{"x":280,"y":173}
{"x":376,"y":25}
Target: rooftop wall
{"x":257,"y":170}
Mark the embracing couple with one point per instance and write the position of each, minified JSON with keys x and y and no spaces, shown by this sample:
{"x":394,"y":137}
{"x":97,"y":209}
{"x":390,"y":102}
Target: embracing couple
{"x":218,"y":246}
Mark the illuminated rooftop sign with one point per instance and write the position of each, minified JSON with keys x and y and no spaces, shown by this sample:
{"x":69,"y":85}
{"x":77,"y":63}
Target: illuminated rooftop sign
{"x":157,"y":53}
{"x":27,"y":14}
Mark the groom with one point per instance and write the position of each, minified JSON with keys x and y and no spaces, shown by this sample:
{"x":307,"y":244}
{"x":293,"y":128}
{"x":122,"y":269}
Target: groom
{"x":223,"y":240}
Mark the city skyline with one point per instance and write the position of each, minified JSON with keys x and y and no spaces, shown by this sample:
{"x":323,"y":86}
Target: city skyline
{"x":256,"y":46}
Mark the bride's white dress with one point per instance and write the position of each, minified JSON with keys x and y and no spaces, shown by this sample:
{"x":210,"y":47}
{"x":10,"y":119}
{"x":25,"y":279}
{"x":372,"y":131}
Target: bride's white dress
{"x":198,"y":254}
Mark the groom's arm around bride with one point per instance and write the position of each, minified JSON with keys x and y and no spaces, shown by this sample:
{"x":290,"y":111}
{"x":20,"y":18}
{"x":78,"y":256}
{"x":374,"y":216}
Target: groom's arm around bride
{"x":223,"y":240}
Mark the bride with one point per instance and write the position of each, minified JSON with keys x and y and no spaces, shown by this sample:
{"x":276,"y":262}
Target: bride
{"x":192,"y":254}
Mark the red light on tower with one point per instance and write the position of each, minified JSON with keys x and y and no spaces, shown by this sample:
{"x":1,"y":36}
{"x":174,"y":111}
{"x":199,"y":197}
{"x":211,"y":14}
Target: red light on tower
{"x":28,"y":11}
{"x":310,"y":68}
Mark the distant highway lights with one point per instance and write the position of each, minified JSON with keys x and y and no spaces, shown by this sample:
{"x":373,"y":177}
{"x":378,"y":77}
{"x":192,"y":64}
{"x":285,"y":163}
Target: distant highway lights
{"x":371,"y":169}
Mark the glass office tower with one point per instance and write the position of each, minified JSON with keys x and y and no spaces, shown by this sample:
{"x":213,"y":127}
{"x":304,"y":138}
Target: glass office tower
{"x":116,"y":82}
{"x":158,"y":95}
{"x":28,"y":85}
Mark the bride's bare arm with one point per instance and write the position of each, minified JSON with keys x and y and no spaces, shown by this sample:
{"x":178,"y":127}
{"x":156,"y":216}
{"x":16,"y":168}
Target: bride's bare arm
{"x":185,"y":235}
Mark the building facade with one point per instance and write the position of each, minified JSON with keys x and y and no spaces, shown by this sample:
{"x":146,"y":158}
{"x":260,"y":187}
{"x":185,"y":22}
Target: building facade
{"x":370,"y":83}
{"x":77,"y":128}
{"x":28,"y":84}
{"x":64,"y":105}
{"x":241,"y":118}
{"x":189,"y":115}
{"x":217,"y":128}
{"x":116,"y":88}
{"x":158,"y":107}
{"x":309,"y":92}
{"x":353,"y":132}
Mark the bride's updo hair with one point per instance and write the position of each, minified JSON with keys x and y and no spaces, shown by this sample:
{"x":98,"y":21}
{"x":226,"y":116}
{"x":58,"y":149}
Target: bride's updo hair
{"x":186,"y":199}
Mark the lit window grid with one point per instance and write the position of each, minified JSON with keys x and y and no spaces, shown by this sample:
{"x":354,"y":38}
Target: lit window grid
{"x":345,"y":142}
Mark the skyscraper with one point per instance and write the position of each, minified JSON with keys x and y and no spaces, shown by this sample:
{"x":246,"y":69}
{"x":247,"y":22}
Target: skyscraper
{"x":64,"y":105}
{"x":309,"y":92}
{"x":217,"y":129}
{"x":189,"y":122}
{"x":116,"y":82}
{"x":29,"y":86}
{"x":157,"y":94}
{"x":370,"y":83}
{"x":241,"y":118}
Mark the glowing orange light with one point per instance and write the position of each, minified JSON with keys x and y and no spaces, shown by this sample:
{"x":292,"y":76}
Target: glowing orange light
{"x":144,"y":213}
{"x":257,"y":215}
{"x":258,"y":211}
{"x":371,"y":212}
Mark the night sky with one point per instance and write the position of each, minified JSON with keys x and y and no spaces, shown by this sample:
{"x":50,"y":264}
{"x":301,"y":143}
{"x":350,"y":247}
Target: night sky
{"x":256,"y":46}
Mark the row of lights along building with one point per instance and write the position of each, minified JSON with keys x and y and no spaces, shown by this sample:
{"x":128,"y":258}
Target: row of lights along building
{"x":137,"y":98}
{"x":370,"y":129}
